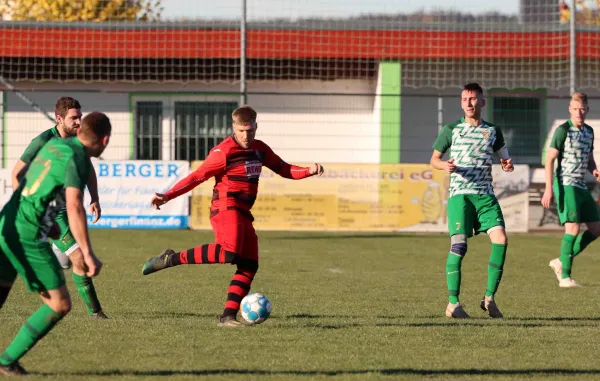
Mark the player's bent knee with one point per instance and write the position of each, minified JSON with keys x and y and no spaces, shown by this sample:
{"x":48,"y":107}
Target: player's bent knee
{"x":458,"y":244}
{"x":61,"y":306}
{"x":497,"y":235}
{"x":247,"y":264}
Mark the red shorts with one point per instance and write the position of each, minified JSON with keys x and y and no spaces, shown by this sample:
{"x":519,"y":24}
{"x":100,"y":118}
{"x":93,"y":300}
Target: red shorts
{"x":234,"y":231}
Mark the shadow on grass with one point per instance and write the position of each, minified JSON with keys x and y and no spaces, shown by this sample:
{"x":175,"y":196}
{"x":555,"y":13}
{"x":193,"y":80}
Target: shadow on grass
{"x":343,"y":236}
{"x":313,"y":316}
{"x":168,"y":315}
{"x":383,"y":371}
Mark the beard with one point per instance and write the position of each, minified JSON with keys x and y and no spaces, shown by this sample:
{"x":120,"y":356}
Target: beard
{"x":71,"y":131}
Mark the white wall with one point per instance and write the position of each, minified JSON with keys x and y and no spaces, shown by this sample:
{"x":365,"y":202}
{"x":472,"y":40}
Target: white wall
{"x":23,"y":123}
{"x":300,"y":128}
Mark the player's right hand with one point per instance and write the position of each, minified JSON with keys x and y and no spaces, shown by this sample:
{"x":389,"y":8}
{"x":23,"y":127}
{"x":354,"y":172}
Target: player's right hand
{"x":92,"y":264}
{"x":158,"y":200}
{"x":449,"y":166}
{"x":547,"y":198}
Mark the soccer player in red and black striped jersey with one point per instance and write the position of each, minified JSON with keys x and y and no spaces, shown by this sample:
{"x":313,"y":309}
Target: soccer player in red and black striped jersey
{"x":236,"y":164}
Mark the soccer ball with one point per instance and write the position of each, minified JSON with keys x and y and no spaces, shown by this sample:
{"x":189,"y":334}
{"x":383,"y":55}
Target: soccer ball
{"x":256,"y":308}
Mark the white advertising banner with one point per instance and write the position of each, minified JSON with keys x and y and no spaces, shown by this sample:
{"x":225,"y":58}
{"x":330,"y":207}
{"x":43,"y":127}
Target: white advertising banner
{"x":126,"y":188}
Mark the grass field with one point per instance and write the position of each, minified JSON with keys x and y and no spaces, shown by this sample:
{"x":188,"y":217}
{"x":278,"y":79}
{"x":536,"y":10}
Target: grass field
{"x":344,"y":307}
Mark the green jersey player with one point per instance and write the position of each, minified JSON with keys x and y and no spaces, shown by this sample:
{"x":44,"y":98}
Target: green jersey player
{"x":573,"y":146}
{"x":56,"y":178}
{"x":472,"y":207}
{"x":68,"y":116}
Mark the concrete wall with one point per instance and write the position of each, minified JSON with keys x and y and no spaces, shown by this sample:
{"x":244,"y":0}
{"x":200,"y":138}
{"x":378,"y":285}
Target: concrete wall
{"x":300,"y":124}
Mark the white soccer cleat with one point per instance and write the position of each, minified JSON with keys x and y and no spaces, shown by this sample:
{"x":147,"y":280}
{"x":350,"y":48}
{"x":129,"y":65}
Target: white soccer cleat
{"x":568,"y":283}
{"x":456,"y":311}
{"x":556,"y":266}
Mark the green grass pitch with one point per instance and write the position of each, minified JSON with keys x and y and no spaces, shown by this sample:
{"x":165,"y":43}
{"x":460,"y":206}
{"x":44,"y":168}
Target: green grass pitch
{"x":345,"y":307}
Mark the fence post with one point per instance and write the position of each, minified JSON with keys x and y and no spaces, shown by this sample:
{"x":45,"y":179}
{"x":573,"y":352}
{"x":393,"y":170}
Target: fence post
{"x":243,"y":90}
{"x":573,"y":48}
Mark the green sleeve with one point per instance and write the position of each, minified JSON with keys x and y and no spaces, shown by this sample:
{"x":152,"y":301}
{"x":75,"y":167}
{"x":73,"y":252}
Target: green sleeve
{"x":33,"y":148}
{"x":499,"y":143}
{"x":558,"y":139}
{"x":444,"y":139}
{"x":76,"y":173}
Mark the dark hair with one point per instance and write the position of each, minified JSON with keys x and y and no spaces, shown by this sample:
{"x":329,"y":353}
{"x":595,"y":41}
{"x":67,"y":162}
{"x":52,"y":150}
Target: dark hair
{"x":64,"y":104}
{"x":95,"y":126}
{"x":473,"y":86}
{"x":244,"y":115}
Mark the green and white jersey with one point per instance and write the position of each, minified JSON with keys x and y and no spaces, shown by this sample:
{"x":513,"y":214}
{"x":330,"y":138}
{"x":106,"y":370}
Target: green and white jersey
{"x":472,"y":149}
{"x":37,"y":143}
{"x":61,"y":163}
{"x":574,"y":146}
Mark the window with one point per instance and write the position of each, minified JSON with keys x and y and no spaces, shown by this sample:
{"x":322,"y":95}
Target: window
{"x":199,"y":126}
{"x":148,"y":130}
{"x":520,"y":120}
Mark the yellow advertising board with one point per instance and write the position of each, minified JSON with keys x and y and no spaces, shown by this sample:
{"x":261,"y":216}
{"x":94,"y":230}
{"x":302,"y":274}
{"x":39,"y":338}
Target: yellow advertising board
{"x":351,"y":197}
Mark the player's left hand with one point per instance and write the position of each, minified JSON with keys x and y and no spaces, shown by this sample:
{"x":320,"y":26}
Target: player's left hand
{"x":507,"y":165}
{"x":95,"y":210}
{"x":158,"y":200}
{"x":316,"y":169}
{"x":596,"y":174}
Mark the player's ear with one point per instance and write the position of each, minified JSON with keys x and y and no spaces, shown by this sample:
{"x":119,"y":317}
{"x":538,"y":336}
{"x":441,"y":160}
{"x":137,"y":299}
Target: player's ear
{"x":482,"y":102}
{"x":58,"y":118}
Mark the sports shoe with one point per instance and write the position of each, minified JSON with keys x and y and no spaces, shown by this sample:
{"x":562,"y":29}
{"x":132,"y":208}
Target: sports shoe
{"x":456,"y":311}
{"x":489,"y":304}
{"x":568,"y":283}
{"x":155,"y":264}
{"x":100,"y":315}
{"x":14,"y":369}
{"x":556,"y":266}
{"x":229,"y":322}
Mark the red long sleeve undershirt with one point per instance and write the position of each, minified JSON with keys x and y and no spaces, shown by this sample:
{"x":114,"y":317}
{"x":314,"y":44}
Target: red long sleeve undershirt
{"x":215,"y":164}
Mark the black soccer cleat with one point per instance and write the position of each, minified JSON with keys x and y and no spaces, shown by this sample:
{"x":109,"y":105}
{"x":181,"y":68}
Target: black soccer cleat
{"x":100,"y":315}
{"x":161,"y":262}
{"x":229,"y":322}
{"x":491,"y":308}
{"x":14,"y":369}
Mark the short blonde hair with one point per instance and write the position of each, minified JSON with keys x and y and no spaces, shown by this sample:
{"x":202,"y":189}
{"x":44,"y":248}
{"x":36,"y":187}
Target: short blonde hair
{"x":244,"y":115}
{"x":580,"y":97}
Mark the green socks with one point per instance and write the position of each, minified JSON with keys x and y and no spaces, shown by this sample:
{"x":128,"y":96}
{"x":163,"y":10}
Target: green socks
{"x":566,"y":254}
{"x":34,"y":329}
{"x":85,"y":288}
{"x":582,"y":241}
{"x":495,"y":268}
{"x":453,"y":265}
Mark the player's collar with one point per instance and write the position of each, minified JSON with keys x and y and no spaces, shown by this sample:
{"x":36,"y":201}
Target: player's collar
{"x":483,"y":123}
{"x":573,"y":125}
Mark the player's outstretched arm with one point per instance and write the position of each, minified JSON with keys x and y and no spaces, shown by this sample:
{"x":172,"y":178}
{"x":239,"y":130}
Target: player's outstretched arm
{"x":551,"y":156}
{"x":290,"y":171}
{"x":78,"y":225}
{"x":92,"y":186}
{"x":437,"y":162}
{"x":214,"y":164}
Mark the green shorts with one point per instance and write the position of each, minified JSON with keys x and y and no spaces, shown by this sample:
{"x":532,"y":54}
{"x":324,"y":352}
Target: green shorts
{"x":473,"y":213}
{"x":32,"y":260}
{"x":65,"y":243}
{"x":575,"y":204}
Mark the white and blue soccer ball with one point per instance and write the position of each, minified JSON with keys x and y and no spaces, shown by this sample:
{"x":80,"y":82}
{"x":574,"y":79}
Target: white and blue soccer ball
{"x":255,"y":308}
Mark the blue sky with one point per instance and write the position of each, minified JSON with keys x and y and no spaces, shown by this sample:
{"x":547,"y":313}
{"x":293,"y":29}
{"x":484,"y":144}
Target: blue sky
{"x":291,"y":9}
